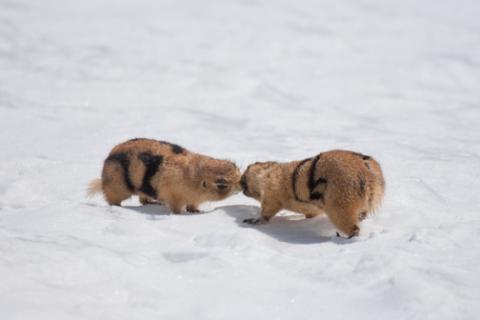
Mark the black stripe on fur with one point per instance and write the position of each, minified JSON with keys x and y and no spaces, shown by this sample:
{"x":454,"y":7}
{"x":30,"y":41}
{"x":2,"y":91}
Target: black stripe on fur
{"x":295,"y":177}
{"x":312,"y":183}
{"x":175,"y":147}
{"x":364,"y":157}
{"x":151,"y":163}
{"x":124,"y":161}
{"x":311,"y":177}
{"x":316,"y":196}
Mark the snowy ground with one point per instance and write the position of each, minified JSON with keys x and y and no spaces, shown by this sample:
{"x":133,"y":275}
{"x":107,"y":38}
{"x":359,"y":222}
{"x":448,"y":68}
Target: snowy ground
{"x":246,"y":80}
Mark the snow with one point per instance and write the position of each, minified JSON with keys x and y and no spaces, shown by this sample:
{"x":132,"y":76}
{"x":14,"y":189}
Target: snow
{"x":245,"y":80}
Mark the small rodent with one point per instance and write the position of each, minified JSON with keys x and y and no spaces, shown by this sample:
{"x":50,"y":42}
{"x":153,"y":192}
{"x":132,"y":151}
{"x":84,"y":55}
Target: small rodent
{"x":160,"y":171}
{"x":345,"y":185}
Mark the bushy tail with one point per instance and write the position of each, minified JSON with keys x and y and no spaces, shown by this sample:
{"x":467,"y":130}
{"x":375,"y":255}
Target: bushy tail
{"x":94,"y":187}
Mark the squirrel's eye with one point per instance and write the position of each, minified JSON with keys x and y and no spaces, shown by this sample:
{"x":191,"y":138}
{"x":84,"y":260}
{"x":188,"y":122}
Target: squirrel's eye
{"x":221,"y":184}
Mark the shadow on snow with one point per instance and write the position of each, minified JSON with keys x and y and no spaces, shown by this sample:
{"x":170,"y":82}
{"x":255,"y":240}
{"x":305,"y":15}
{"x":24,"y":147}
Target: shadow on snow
{"x":293,"y":229}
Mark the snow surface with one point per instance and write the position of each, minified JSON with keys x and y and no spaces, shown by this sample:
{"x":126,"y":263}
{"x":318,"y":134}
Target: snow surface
{"x":245,"y":80}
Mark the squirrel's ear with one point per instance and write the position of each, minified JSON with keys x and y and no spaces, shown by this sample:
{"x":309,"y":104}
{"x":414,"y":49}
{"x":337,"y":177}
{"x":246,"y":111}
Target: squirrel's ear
{"x":204,"y":184}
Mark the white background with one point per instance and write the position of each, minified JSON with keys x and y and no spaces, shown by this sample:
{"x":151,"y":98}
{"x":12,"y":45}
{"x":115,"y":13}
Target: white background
{"x":245,"y":80}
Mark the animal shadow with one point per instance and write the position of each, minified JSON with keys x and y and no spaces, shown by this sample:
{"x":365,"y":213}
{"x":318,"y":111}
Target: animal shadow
{"x":150,"y":209}
{"x":154,"y":210}
{"x":292,"y":229}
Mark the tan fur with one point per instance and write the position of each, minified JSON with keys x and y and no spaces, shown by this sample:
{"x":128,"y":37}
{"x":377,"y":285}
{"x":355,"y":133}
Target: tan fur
{"x":94,"y":187}
{"x":182,"y":179}
{"x":345,"y":185}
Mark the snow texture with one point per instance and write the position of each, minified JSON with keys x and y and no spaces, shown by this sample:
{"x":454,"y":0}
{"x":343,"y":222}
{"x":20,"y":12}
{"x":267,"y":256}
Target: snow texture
{"x":246,"y":80}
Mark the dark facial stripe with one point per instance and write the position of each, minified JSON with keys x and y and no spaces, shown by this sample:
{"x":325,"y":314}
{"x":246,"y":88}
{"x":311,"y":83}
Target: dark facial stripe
{"x":295,"y":177}
{"x":124,"y":161}
{"x":151,"y":163}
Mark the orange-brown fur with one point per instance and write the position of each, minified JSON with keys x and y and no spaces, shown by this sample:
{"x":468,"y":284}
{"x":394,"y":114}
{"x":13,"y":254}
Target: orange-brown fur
{"x":160,"y":172}
{"x":345,"y":185}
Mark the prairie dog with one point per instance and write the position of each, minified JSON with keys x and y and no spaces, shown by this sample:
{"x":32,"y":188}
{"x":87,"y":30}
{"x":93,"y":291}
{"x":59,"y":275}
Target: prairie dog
{"x":345,"y":185}
{"x":160,"y":171}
